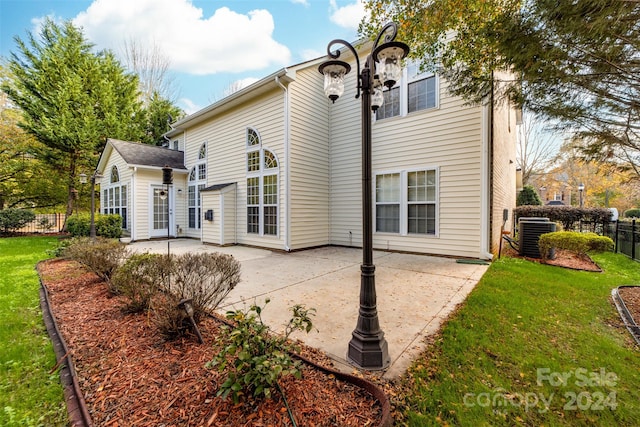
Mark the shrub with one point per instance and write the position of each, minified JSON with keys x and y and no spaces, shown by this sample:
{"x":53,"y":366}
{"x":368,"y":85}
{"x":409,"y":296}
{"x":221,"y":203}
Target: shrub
{"x":12,"y":219}
{"x":171,"y":321}
{"x":580,"y":243}
{"x":568,"y":216}
{"x":632,"y":213}
{"x":78,"y":225}
{"x":101,"y":256}
{"x":259,"y":358}
{"x":139,"y":279}
{"x":528,"y":196}
{"x":108,"y":226}
{"x":206,"y":278}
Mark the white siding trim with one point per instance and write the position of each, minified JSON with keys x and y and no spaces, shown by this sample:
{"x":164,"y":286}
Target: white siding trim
{"x":287,"y":156}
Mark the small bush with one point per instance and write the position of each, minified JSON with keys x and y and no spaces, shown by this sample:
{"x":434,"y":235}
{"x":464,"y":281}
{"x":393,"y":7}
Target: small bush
{"x":580,"y":243}
{"x":12,"y":219}
{"x":108,"y":226}
{"x":632,"y":213}
{"x":259,"y":358}
{"x":101,"y":256}
{"x":139,"y":279}
{"x":205,"y":278}
{"x":78,"y":225}
{"x":568,"y":216}
{"x":171,"y":321}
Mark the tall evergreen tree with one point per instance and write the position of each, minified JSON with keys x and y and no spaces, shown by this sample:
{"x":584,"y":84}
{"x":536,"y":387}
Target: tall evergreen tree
{"x":72,"y":98}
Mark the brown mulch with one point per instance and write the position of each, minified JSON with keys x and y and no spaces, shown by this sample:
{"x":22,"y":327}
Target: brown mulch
{"x":131,"y":376}
{"x":631,"y":298}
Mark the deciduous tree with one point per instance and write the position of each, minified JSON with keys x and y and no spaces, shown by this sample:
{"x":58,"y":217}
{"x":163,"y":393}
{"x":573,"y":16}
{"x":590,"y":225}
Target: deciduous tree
{"x":574,"y":61}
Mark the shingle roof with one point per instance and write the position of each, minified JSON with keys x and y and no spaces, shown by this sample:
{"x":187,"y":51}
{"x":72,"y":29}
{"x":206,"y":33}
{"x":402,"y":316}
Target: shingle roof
{"x":136,"y":153}
{"x":217,"y":187}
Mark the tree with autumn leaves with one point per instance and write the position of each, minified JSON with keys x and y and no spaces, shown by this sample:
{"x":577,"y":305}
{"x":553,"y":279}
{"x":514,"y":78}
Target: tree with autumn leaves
{"x":574,"y":62}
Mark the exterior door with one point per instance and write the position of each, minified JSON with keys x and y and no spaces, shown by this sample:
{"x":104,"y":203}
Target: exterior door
{"x":161,"y":219}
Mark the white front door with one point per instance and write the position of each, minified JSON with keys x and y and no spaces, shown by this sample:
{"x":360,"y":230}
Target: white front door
{"x":161,"y":209}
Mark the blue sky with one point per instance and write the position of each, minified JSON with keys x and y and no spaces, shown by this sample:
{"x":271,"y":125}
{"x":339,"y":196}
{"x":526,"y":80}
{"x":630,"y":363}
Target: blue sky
{"x":210,"y":45}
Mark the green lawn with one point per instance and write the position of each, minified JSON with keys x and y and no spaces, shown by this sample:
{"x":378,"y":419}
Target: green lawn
{"x":29,"y":395}
{"x":533,"y":345}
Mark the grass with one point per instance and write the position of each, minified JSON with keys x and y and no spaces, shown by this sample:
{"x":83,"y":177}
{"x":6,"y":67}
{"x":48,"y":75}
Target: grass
{"x":533,"y":345}
{"x":29,"y":394}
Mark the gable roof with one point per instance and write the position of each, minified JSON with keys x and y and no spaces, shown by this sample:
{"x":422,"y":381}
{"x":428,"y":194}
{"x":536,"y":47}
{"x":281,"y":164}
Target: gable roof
{"x":138,"y":154}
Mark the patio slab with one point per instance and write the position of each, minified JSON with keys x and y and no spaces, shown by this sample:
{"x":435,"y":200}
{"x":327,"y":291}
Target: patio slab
{"x":415,"y":293}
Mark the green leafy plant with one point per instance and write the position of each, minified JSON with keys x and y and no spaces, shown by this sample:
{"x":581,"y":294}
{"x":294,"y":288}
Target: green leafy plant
{"x":580,"y":243}
{"x":12,"y":219}
{"x":632,"y":213}
{"x":253,"y":358}
{"x":108,"y":226}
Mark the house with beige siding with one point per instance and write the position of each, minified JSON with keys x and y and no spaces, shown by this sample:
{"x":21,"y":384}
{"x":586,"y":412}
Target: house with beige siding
{"x":277,"y":165}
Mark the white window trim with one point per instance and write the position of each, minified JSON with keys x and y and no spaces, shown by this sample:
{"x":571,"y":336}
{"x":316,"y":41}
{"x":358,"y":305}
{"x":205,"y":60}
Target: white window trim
{"x":404,"y":93}
{"x":404,"y":202}
{"x":198,"y":184}
{"x":260,"y":174}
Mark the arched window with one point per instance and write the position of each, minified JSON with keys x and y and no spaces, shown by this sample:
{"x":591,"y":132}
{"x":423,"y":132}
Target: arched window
{"x":115,"y":196}
{"x":262,"y":187}
{"x":197,"y":181}
{"x":115,"y":176}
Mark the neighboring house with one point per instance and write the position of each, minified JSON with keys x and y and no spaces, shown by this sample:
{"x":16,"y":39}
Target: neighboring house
{"x":277,"y":165}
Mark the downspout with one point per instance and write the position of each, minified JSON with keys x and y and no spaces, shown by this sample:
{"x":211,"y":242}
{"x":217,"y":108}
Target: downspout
{"x":485,"y":189}
{"x":287,"y":156}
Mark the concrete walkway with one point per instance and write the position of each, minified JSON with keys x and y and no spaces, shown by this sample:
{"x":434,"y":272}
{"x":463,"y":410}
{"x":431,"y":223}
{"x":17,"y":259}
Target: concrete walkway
{"x":415,"y":293}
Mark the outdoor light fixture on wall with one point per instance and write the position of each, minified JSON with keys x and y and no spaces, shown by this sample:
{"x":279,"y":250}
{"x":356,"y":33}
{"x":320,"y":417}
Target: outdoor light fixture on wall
{"x":368,"y":347}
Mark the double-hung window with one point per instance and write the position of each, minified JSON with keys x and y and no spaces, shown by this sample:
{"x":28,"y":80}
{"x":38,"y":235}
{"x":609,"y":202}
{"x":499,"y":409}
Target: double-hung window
{"x":406,"y":202}
{"x":416,"y":91}
{"x":262,"y":187}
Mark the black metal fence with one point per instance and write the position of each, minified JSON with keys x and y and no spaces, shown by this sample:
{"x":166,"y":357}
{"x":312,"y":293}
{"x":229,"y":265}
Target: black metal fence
{"x":626,"y":236}
{"x":45,"y":223}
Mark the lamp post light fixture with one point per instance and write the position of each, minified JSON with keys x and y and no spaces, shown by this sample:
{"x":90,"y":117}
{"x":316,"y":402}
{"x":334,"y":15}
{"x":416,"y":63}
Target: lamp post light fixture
{"x":581,"y":192}
{"x":83,"y":179}
{"x":368,"y":348}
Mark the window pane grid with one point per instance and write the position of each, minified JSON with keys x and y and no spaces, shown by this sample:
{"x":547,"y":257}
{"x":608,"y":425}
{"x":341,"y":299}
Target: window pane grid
{"x":253,"y":161}
{"x":391,"y":105}
{"x":422,"y":94}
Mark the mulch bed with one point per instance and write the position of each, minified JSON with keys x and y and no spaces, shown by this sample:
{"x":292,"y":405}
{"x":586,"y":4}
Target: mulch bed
{"x":631,"y":298}
{"x":131,"y":376}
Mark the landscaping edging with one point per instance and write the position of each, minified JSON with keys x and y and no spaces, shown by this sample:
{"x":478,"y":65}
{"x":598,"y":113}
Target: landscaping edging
{"x":626,"y":316}
{"x":74,"y":399}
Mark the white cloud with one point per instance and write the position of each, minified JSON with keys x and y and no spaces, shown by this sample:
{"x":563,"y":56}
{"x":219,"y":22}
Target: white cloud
{"x":227,"y":41}
{"x":188,"y":105}
{"x":239,"y":84}
{"x":309,"y":54}
{"x":348,"y":16}
{"x":302,"y":2}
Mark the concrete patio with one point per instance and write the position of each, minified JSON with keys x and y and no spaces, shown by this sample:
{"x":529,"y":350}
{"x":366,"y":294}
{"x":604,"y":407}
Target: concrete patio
{"x":415,"y":293}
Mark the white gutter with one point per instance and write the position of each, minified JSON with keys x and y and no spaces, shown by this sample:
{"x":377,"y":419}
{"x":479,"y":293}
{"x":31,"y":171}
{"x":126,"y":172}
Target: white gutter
{"x":287,"y":155}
